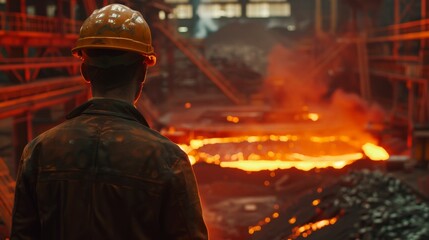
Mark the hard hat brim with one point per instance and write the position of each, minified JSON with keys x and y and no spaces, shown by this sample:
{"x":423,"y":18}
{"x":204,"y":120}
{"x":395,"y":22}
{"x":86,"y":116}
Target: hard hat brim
{"x":116,"y":43}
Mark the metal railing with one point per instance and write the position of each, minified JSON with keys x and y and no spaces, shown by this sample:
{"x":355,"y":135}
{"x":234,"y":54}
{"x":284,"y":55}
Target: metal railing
{"x":21,"y":22}
{"x":413,"y":30}
{"x":7,"y":192}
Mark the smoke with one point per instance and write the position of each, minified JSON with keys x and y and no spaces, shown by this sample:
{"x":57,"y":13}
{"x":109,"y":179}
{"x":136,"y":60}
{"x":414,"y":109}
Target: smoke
{"x":290,"y":88}
{"x":351,"y":113}
{"x":286,"y":80}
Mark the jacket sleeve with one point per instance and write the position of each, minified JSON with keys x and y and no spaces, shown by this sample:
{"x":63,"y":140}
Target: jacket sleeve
{"x":181,"y":212}
{"x":25,"y":217}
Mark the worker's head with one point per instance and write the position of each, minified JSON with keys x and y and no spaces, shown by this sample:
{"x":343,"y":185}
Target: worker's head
{"x":116,"y":48}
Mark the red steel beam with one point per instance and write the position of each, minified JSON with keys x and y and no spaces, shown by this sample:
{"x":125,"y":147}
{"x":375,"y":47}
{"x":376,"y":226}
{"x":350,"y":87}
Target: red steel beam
{"x":400,"y":37}
{"x":35,"y":39}
{"x":17,"y":91}
{"x":17,"y":66}
{"x":38,"y":101}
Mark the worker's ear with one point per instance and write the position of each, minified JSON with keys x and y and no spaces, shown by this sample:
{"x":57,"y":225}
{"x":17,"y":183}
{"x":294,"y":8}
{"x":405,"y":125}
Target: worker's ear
{"x":143,"y":72}
{"x":83,"y":71}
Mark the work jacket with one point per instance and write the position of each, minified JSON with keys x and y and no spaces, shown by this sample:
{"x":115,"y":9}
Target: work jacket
{"x":103,"y":174}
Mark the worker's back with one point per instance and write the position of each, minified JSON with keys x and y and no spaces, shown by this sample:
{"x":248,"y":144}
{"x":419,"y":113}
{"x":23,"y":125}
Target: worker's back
{"x":103,"y":174}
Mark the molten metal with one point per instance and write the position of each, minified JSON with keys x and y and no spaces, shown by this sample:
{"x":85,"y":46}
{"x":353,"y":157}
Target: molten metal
{"x":271,"y":160}
{"x":375,"y":152}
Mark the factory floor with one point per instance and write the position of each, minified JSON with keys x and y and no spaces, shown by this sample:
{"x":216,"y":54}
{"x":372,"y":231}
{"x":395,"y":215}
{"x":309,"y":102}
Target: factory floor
{"x":273,"y":204}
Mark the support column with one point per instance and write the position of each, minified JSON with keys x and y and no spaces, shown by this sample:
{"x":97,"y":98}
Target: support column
{"x":424,"y":57}
{"x":23,"y":7}
{"x":423,"y":16}
{"x":334,"y":16}
{"x":410,"y":87}
{"x":41,"y":8}
{"x":22,"y":134}
{"x":424,"y":43}
{"x":243,"y":8}
{"x":72,"y":9}
{"x":397,"y":20}
{"x":171,"y":67}
{"x":365,"y":87}
{"x":318,"y":18}
{"x":60,"y":15}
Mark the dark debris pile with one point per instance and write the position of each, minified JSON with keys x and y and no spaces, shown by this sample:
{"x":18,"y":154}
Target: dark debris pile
{"x":367,"y":205}
{"x":388,"y":208}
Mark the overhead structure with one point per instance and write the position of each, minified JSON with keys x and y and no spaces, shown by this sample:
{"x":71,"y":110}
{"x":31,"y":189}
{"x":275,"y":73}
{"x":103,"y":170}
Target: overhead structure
{"x":201,"y":62}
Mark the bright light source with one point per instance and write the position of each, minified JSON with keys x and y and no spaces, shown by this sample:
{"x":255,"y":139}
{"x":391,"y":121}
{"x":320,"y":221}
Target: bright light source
{"x":183,"y":11}
{"x":50,"y":10}
{"x":291,"y":27}
{"x":161,"y":15}
{"x":182,"y":29}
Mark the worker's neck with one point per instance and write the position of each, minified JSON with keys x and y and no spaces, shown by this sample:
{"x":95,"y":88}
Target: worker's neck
{"x":129,"y":98}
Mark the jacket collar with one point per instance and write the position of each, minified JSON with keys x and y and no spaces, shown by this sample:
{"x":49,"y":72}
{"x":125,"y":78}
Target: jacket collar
{"x":109,"y":107}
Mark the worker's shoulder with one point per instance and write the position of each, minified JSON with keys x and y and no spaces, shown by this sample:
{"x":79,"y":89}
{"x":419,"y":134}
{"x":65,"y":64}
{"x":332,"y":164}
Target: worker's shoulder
{"x":161,"y":145}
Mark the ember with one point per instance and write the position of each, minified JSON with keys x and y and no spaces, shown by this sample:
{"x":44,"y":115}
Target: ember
{"x":308,"y":228}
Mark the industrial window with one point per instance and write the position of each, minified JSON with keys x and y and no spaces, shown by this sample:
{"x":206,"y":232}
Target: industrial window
{"x":183,"y":11}
{"x":31,"y":10}
{"x":229,"y":10}
{"x":50,"y":10}
{"x":264,"y":10}
{"x":177,"y":1}
{"x":268,"y":0}
{"x":218,"y":1}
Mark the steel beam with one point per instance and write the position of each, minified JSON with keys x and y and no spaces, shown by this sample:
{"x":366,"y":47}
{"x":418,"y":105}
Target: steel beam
{"x":211,"y":72}
{"x":34,"y":102}
{"x":22,"y":133}
{"x":18,"y":66}
{"x":400,"y":37}
{"x":41,"y":86}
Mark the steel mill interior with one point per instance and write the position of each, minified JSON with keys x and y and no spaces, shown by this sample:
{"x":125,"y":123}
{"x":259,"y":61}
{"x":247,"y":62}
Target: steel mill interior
{"x":303,"y":119}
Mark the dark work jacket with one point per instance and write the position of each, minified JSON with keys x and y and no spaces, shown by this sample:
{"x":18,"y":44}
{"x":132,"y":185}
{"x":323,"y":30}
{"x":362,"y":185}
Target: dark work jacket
{"x":104,"y":174}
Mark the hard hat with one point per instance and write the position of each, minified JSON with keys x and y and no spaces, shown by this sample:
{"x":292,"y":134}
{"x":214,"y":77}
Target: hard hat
{"x":116,"y":27}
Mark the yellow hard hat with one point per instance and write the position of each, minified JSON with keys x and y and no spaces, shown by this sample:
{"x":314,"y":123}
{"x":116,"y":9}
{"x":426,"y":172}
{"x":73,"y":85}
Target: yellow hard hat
{"x":116,"y":27}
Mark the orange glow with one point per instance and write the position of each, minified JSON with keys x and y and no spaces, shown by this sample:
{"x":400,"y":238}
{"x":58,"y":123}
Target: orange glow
{"x":258,"y":165}
{"x":316,"y":202}
{"x":188,"y":105}
{"x":232,"y":119}
{"x":319,"y":189}
{"x":375,"y":152}
{"x":313,"y":116}
{"x":308,"y":228}
{"x":192,"y":160}
{"x":253,"y":229}
{"x":292,"y":220}
{"x":267,"y":159}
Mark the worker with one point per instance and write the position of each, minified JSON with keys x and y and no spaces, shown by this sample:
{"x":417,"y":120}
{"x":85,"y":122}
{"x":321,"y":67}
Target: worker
{"x":103,"y":174}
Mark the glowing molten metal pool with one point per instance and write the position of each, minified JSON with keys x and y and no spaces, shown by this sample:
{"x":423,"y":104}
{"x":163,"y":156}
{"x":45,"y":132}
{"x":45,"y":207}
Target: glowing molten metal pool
{"x":271,"y":152}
